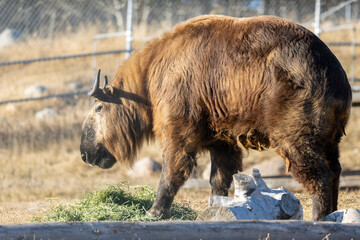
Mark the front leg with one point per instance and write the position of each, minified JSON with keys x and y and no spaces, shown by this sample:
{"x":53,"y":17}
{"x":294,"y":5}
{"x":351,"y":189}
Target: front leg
{"x":175,"y":171}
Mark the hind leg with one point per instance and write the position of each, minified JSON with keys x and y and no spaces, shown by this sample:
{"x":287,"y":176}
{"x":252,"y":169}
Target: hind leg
{"x":226,"y":160}
{"x":309,"y":166}
{"x":332,"y":156}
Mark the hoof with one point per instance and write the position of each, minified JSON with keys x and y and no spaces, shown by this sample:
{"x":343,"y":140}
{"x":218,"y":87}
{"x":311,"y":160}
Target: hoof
{"x":161,"y":213}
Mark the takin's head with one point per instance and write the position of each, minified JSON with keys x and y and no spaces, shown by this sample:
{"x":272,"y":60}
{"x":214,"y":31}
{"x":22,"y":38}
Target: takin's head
{"x":111,"y":132}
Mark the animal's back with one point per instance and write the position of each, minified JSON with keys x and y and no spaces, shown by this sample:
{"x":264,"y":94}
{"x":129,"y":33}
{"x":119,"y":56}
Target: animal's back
{"x":249,"y":70}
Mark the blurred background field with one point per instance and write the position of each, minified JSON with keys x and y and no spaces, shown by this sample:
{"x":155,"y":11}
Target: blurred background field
{"x":39,"y":140}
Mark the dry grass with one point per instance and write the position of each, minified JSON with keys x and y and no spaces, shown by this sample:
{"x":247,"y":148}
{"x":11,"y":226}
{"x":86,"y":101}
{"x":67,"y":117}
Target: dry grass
{"x":41,"y":161}
{"x":26,"y":212}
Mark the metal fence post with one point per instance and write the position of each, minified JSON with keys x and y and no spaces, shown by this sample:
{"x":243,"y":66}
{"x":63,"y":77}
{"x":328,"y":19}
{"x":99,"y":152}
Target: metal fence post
{"x":94,"y":57}
{"x":317,"y":20}
{"x":348,"y":12}
{"x":129,"y":33}
{"x":353,"y":55}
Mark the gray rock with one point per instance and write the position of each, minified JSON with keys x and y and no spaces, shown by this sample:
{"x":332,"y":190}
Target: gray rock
{"x":144,"y":167}
{"x":272,"y":167}
{"x":206,"y":173}
{"x":36,"y":91}
{"x":350,"y":215}
{"x":45,"y":114}
{"x":75,"y":86}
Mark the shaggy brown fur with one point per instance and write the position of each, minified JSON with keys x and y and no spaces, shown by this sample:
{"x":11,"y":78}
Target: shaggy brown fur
{"x":225,"y":84}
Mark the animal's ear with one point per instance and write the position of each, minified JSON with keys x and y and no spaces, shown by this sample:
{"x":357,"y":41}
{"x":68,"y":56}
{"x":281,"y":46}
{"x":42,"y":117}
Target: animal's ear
{"x":111,"y":93}
{"x":109,"y":90}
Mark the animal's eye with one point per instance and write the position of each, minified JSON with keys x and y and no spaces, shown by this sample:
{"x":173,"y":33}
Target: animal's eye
{"x":98,"y":108}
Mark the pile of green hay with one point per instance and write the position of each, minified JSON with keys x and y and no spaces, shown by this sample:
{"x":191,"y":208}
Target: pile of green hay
{"x":115,"y":203}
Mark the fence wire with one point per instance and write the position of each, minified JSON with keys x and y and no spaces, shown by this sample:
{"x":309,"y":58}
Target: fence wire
{"x":22,"y":21}
{"x":63,"y":95}
{"x":47,"y":18}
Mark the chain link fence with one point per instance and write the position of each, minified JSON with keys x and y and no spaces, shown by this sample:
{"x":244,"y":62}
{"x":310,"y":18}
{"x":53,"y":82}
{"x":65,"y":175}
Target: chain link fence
{"x":28,"y":20}
{"x":67,"y":40}
{"x":56,"y":43}
{"x":48,"y":18}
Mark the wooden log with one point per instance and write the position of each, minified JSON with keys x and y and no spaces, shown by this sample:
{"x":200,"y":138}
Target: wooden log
{"x":249,"y":229}
{"x":288,"y":183}
{"x":253,"y":200}
{"x":217,"y":213}
{"x":347,"y":180}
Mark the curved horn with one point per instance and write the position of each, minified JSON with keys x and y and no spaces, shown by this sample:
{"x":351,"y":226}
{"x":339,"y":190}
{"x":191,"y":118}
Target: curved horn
{"x":94,"y":92}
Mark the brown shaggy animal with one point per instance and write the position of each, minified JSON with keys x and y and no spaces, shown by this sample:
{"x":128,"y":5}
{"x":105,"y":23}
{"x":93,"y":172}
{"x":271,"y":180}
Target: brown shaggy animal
{"x":224,"y":84}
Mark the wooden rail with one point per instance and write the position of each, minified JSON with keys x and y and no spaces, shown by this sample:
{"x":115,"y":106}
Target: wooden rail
{"x":348,"y":179}
{"x":356,"y":99}
{"x":244,"y":229}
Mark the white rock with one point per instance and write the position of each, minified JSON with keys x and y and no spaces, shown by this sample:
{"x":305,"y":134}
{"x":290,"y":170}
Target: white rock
{"x":45,"y":114}
{"x":36,"y":91}
{"x":350,"y":215}
{"x":10,"y":108}
{"x":144,"y":167}
{"x":9,"y":37}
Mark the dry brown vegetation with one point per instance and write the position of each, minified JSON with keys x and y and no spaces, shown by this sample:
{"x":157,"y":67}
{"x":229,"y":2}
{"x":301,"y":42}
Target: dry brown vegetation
{"x":40,"y":160}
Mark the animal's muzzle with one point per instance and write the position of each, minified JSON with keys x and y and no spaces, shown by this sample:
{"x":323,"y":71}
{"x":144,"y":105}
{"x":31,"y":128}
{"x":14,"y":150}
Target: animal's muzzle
{"x":92,"y":161}
{"x":101,"y":157}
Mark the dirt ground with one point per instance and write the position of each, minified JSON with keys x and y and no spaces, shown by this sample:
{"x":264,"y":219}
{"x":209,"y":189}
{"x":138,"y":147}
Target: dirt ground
{"x":31,"y":181}
{"x":197,"y":199}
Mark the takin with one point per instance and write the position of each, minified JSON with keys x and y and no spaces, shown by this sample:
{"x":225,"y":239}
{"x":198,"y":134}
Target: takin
{"x":224,"y":85}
